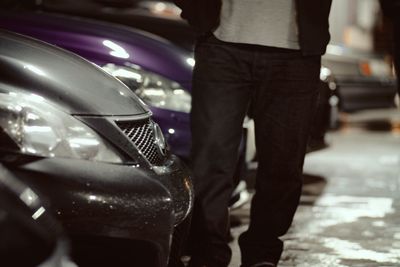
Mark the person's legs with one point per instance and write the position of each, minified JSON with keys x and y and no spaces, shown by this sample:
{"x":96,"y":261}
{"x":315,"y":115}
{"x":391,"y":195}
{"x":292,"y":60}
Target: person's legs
{"x":284,"y":105}
{"x":221,"y":92}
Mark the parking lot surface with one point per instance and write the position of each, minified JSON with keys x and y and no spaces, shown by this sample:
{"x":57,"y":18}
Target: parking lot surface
{"x":350,"y":208}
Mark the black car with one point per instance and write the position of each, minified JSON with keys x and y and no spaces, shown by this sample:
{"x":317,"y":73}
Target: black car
{"x":71,"y":131}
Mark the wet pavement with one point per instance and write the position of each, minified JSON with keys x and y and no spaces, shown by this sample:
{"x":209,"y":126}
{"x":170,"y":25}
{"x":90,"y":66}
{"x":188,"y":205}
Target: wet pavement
{"x":350,"y":208}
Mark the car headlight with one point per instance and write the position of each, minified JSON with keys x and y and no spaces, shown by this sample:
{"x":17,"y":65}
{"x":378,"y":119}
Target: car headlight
{"x":155,"y":90}
{"x":40,"y":129}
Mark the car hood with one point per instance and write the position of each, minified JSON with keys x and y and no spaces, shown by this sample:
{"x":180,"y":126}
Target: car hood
{"x":103,"y":43}
{"x":76,"y":85}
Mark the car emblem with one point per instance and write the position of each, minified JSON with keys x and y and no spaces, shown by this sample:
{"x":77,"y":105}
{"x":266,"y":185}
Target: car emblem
{"x":159,"y":139}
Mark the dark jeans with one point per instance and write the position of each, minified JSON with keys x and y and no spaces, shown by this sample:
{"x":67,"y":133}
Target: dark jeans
{"x":279,"y":88}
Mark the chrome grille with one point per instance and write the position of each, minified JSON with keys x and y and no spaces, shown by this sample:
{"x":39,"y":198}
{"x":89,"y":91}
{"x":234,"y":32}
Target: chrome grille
{"x":141,"y":134}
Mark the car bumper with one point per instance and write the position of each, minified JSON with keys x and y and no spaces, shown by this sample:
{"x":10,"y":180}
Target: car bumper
{"x":176,"y":177}
{"x":361,"y":94}
{"x":113,"y":201}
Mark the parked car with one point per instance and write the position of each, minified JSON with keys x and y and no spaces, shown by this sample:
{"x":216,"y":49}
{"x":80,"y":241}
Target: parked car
{"x":28,"y":228}
{"x":363,"y":80}
{"x":159,"y":72}
{"x":79,"y":136}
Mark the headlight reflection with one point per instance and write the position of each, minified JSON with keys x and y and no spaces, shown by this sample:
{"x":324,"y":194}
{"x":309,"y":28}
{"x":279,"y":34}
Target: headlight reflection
{"x":155,"y":90}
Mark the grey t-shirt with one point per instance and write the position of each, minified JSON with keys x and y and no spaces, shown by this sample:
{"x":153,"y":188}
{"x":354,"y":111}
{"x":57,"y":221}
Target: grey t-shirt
{"x":260,"y":22}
